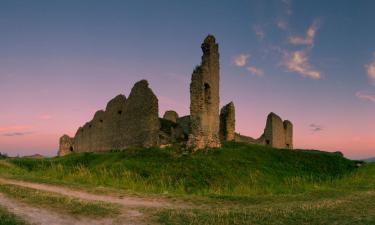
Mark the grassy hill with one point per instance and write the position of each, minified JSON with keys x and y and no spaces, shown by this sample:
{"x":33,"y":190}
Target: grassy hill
{"x":236,"y":184}
{"x":236,"y":169}
{"x":370,"y":159}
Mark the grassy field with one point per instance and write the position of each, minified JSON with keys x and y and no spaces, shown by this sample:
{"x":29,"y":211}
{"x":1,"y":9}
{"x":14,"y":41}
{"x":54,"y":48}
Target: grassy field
{"x":59,"y":202}
{"x":7,"y":218}
{"x":235,"y":170}
{"x":237,"y":184}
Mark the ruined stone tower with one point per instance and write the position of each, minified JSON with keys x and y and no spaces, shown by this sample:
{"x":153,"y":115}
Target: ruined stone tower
{"x":288,"y":129}
{"x":227,"y":122}
{"x":277,"y":133}
{"x":66,"y":145}
{"x":204,"y":98}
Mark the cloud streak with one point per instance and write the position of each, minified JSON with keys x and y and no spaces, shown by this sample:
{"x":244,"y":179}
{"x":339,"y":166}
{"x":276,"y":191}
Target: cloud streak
{"x":255,"y":71}
{"x":288,"y":6}
{"x":240,"y":60}
{"x":371,"y":71}
{"x":366,"y":96}
{"x":282,"y":25}
{"x":298,"y":62}
{"x":315,"y":128}
{"x":16,"y":134}
{"x":259,"y":32}
{"x":45,"y":117}
{"x":309,"y":37}
{"x":13,"y":128}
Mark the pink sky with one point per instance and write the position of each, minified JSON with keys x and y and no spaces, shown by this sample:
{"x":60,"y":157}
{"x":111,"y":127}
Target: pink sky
{"x":311,"y":62}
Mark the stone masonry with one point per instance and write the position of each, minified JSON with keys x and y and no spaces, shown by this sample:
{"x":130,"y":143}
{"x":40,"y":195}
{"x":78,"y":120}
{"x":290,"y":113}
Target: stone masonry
{"x":134,"y":121}
{"x":227,"y":122}
{"x":288,"y":129}
{"x":124,"y":123}
{"x":66,"y":145}
{"x":277,"y":134}
{"x":204,"y":99}
{"x":171,"y":116}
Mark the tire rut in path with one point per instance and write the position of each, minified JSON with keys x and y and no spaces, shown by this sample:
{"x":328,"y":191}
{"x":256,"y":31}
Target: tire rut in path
{"x":40,"y":216}
{"x":123,"y":200}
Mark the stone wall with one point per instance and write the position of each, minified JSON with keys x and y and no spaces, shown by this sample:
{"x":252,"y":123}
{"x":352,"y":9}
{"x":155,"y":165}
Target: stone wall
{"x":124,"y":123}
{"x":171,"y":116}
{"x":134,"y":121}
{"x":227,"y":122}
{"x":288,"y":129}
{"x":204,"y":99}
{"x":66,"y":145}
{"x":277,"y":133}
{"x":185,"y":123}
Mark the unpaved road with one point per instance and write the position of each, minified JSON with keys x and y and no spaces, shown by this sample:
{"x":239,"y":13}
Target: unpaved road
{"x":35,"y":215}
{"x":42,"y":216}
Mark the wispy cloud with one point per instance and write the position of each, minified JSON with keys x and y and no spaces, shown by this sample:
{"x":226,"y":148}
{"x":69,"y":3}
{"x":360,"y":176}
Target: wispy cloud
{"x":371,"y":70}
{"x":240,"y":60}
{"x":309,"y":37}
{"x":259,"y":32}
{"x":14,"y":128}
{"x":282,"y":24}
{"x":16,"y":134}
{"x":45,"y":117}
{"x":363,"y":95}
{"x":288,"y":6}
{"x":255,"y":71}
{"x":298,"y":62}
{"x":315,"y":128}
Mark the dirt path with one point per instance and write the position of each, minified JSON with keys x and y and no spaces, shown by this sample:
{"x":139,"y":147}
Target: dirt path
{"x":129,"y":213}
{"x":122,"y":200}
{"x":35,"y":215}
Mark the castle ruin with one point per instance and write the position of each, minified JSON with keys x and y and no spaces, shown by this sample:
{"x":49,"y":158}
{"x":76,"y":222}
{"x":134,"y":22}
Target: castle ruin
{"x":227,"y":122}
{"x":277,"y":133}
{"x":204,"y":99}
{"x":134,"y":121}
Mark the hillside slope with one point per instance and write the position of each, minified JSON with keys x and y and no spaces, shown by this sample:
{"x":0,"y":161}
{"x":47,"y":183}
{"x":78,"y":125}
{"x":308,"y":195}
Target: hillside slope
{"x":235,"y":169}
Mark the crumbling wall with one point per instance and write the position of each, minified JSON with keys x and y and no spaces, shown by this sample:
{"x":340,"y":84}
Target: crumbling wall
{"x":274,"y":131}
{"x":288,"y":129}
{"x":277,"y":134}
{"x":66,"y":145}
{"x":204,"y":99}
{"x":185,"y":123}
{"x":141,"y":117}
{"x":227,"y":122}
{"x":171,"y":116}
{"x":124,"y":123}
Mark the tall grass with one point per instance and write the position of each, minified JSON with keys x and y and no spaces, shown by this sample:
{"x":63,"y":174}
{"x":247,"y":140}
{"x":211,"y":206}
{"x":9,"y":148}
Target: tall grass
{"x":235,"y":170}
{"x":7,"y":218}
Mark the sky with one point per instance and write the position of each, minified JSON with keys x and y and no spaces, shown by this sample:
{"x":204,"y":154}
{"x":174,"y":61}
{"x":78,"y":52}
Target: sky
{"x":311,"y":62}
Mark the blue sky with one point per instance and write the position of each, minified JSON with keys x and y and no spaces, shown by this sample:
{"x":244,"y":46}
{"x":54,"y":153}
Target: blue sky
{"x":308,"y":61}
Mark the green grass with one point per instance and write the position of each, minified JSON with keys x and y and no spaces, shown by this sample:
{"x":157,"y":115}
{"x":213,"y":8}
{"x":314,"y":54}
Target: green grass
{"x":345,"y":210}
{"x":237,"y":184}
{"x":59,"y":202}
{"x":346,"y":200}
{"x":234,"y":170}
{"x":6,"y":218}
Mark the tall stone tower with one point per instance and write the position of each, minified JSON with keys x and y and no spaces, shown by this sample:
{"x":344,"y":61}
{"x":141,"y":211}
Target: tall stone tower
{"x":204,"y":99}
